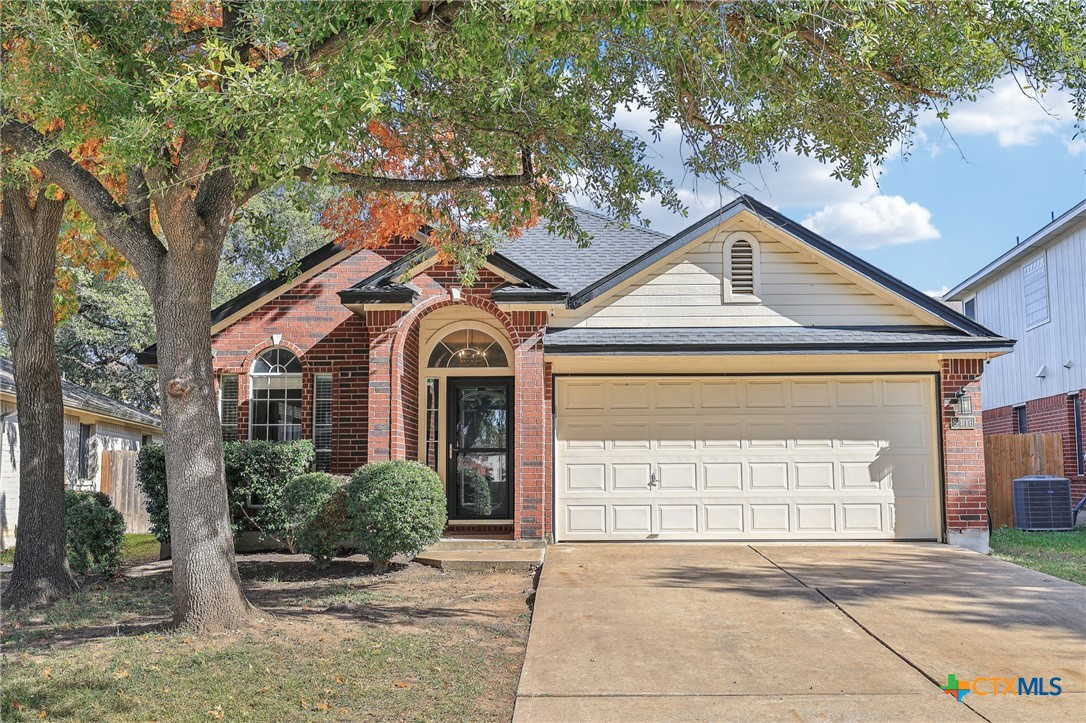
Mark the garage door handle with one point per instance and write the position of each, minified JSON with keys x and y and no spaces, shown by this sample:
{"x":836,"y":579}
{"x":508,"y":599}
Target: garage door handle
{"x":652,"y":479}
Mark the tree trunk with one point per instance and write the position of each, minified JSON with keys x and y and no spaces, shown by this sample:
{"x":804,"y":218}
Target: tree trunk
{"x":206,"y":584}
{"x":28,"y":255}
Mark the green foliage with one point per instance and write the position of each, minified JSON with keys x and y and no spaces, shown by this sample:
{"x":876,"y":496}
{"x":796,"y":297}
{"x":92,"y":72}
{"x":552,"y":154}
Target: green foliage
{"x":476,"y":490}
{"x":151,"y":479}
{"x":256,"y":472}
{"x":96,"y":347}
{"x":396,"y":508}
{"x":95,"y":533}
{"x":270,"y":233}
{"x":315,"y":506}
{"x":465,"y":89}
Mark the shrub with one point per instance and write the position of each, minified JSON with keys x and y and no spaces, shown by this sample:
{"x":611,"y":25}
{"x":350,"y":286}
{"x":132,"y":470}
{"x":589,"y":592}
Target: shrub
{"x":476,"y":490}
{"x":151,"y":479}
{"x":315,"y":508}
{"x":95,"y":533}
{"x":255,"y":472}
{"x":396,"y":508}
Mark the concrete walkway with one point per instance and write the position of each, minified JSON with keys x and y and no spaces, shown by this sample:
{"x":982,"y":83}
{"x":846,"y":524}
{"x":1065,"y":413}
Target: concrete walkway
{"x":649,"y":632}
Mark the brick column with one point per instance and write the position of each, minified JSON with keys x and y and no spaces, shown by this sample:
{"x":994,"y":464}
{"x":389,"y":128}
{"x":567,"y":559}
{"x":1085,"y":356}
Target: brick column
{"x":531,"y":428}
{"x":963,"y":458}
{"x":382,"y":403}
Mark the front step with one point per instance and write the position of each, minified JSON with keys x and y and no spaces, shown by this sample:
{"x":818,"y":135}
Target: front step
{"x":484,"y":556}
{"x":449,"y":544}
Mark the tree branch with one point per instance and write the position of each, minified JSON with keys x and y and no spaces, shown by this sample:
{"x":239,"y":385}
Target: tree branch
{"x":137,"y":244}
{"x":359,"y":182}
{"x":138,"y":202}
{"x":808,"y":36}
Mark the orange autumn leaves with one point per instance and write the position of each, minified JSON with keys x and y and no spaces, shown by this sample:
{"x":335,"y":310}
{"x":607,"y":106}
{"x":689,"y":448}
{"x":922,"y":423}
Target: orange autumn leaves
{"x":375,"y":218}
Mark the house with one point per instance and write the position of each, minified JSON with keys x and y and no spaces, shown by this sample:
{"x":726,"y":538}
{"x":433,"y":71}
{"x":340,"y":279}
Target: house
{"x":1036,"y":293}
{"x":744,"y":379}
{"x":93,"y":424}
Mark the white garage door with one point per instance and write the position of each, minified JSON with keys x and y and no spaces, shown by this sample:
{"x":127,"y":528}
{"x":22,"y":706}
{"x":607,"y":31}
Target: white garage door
{"x":685,"y":458}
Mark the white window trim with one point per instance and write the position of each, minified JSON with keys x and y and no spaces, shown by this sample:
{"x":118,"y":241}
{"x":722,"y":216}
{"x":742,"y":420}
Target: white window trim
{"x":252,"y":384}
{"x":1048,"y":300}
{"x":973,"y":299}
{"x":726,"y":277}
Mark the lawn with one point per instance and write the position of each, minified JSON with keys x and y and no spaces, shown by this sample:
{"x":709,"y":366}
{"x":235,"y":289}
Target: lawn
{"x":137,"y":549}
{"x":416,"y":644}
{"x":1060,"y":554}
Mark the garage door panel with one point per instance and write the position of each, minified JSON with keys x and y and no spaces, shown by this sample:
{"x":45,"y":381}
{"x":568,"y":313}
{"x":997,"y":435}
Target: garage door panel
{"x":812,"y":458}
{"x":815,"y":475}
{"x":678,"y":476}
{"x":769,"y":518}
{"x":723,"y":475}
{"x":631,"y":476}
{"x":678,"y":519}
{"x":632,"y":518}
{"x":816,"y":518}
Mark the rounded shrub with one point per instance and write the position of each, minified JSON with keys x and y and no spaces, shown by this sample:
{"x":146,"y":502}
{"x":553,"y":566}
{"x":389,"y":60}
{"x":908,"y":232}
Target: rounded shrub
{"x":95,"y":533}
{"x":315,"y":509}
{"x":397,"y":508}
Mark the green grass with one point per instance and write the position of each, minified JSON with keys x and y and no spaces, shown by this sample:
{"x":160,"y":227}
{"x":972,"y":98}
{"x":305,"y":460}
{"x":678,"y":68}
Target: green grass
{"x":137,"y":549}
{"x":414,"y":645}
{"x":1060,"y":554}
{"x":271,"y":675}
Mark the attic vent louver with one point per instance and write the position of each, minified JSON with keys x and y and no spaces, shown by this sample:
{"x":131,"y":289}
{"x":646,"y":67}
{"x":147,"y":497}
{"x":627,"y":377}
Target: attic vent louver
{"x":742,"y":268}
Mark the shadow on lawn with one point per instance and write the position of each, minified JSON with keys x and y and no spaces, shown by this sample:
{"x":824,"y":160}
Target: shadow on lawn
{"x":285,"y":586}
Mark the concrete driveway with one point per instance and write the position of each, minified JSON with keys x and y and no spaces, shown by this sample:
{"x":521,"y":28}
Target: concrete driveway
{"x":653,"y":632}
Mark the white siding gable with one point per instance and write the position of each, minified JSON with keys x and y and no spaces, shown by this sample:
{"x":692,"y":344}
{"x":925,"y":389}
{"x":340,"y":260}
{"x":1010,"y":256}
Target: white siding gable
{"x":1005,"y":305}
{"x":795,"y":287}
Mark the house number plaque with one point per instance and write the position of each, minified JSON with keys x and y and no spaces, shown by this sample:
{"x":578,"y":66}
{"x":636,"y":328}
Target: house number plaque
{"x":963,"y":422}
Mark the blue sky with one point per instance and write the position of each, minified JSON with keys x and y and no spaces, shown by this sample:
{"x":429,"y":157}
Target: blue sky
{"x":958,"y":200}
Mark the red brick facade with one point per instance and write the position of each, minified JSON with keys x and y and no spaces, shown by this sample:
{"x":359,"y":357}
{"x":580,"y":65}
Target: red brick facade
{"x":374,"y":363}
{"x":1048,"y":414}
{"x":963,"y":449}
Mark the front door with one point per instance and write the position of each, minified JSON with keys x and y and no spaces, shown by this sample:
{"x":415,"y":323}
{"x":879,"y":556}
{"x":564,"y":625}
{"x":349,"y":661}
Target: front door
{"x":479,"y":468}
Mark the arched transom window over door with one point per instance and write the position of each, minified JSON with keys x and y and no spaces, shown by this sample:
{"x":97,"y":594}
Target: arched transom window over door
{"x":468,"y":348}
{"x":275,"y":410}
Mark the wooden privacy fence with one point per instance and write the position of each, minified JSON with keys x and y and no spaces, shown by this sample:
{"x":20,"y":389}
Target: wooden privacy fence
{"x":119,"y":482}
{"x":1010,"y":456}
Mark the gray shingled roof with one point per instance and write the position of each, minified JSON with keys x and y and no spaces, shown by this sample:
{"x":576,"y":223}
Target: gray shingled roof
{"x":772,"y":339}
{"x":570,"y":268}
{"x":77,"y":397}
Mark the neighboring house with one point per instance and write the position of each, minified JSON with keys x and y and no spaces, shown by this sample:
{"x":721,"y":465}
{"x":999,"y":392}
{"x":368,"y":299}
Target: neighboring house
{"x":744,"y":379}
{"x":93,"y":423}
{"x":1036,"y":293}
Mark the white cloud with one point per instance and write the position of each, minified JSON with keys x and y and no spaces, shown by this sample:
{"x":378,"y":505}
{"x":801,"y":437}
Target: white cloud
{"x":876,"y":221}
{"x":938,"y":293}
{"x":1014,"y":117}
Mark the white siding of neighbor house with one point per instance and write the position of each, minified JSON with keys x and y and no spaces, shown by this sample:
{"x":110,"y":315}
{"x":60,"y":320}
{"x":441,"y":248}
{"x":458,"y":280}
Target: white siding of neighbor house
{"x":796,"y":289}
{"x":104,"y":436}
{"x":1000,"y":304}
{"x":9,"y":475}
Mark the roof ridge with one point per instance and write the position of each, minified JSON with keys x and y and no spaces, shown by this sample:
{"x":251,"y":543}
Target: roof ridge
{"x":617,"y":222}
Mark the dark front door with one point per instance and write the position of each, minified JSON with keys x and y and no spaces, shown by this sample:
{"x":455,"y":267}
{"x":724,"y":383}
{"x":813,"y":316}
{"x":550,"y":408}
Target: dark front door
{"x":479,"y":468}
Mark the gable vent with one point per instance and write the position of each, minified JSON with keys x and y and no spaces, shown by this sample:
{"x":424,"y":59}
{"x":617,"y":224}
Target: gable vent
{"x":742,"y":268}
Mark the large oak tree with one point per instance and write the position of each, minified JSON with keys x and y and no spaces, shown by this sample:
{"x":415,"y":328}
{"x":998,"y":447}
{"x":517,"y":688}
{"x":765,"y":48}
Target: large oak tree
{"x":475,"y":118}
